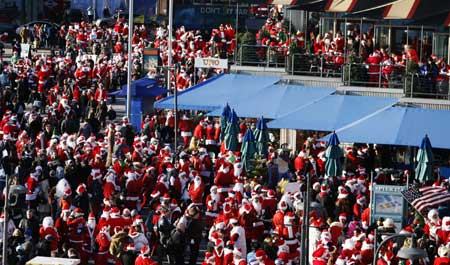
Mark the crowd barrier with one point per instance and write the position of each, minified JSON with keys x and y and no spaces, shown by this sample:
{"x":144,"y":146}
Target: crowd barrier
{"x":422,"y":86}
{"x":373,"y":75}
{"x":310,"y":64}
{"x":261,"y":55}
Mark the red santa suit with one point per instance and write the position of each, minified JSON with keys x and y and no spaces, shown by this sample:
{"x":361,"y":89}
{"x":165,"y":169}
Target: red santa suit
{"x":218,"y":252}
{"x":109,"y":187}
{"x":224,"y":177}
{"x":289,"y":231}
{"x":367,"y":252}
{"x":444,"y":232}
{"x":321,"y":256}
{"x":115,"y":220}
{"x":432,"y":224}
{"x":196,"y":190}
{"x":48,"y":229}
{"x":103,"y":240}
{"x":212,"y":206}
{"x":76,"y":225}
{"x":210,"y":133}
{"x":90,"y":234}
{"x":186,"y":126}
{"x":374,"y":61}
{"x":443,"y":259}
{"x":133,"y":188}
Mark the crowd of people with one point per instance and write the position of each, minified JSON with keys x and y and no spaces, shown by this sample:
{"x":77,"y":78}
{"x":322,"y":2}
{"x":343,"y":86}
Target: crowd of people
{"x":85,"y":184}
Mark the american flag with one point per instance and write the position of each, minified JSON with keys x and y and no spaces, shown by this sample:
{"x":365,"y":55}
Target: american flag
{"x":423,"y":199}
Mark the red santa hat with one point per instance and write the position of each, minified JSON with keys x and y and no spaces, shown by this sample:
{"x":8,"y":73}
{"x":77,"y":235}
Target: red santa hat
{"x":78,"y":212}
{"x":91,"y":216}
{"x":271,"y":193}
{"x":282,"y":205}
{"x":115,"y":212}
{"x":81,"y":188}
{"x":247,"y":208}
{"x":260,"y":254}
{"x":343,"y":194}
{"x":67,"y":192}
{"x":343,"y":217}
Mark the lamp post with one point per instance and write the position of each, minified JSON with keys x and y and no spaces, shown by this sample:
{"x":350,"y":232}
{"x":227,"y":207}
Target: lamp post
{"x":5,"y":222}
{"x":412,"y":253}
{"x":169,"y":67}
{"x":130,"y":59}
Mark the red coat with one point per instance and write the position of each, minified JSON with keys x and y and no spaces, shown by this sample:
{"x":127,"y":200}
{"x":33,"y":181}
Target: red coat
{"x":278,"y":221}
{"x":299,"y":163}
{"x":144,"y":260}
{"x":196,"y":194}
{"x":199,"y":132}
{"x":50,"y":231}
{"x":442,"y":261}
{"x":224,"y":176}
{"x":108,"y":189}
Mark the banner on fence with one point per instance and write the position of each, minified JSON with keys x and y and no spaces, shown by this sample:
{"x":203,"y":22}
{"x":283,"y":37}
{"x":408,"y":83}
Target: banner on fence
{"x":211,"y":62}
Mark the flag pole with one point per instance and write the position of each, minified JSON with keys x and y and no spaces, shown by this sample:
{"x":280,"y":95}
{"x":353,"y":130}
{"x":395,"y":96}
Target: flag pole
{"x":169,"y":67}
{"x":5,"y":221}
{"x":130,"y":59}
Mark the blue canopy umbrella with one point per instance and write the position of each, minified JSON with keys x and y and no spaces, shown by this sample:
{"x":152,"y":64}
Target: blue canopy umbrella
{"x":248,"y":149}
{"x":424,"y":169}
{"x":262,"y":137}
{"x":333,"y":154}
{"x":223,"y":120}
{"x":231,"y":133}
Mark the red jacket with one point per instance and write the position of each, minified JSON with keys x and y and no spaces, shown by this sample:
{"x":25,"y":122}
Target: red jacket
{"x":50,"y":231}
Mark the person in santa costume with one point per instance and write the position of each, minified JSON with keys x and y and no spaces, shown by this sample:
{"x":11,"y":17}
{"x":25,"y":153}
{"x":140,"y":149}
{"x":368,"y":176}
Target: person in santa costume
{"x":103,"y":240}
{"x":144,"y":258}
{"x":218,"y":251}
{"x":359,"y":206}
{"x":239,"y":258}
{"x":49,"y":229}
{"x":367,"y":252}
{"x":90,"y":233}
{"x":289,"y":234}
{"x":321,"y":255}
{"x":443,"y":233}
{"x":278,"y":218}
{"x":237,"y":235}
{"x":444,"y":256}
{"x":133,"y":189}
{"x":186,"y":125}
{"x":213,"y":201}
{"x":76,"y":226}
{"x":262,"y":258}
{"x":224,"y":177}
{"x":432,"y":224}
{"x":115,"y":220}
{"x":196,"y":190}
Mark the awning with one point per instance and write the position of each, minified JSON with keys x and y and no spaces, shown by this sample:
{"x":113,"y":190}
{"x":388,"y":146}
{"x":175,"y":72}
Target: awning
{"x":399,"y":126}
{"x":217,"y":91}
{"x":277,"y":100}
{"x":144,"y":87}
{"x":283,"y":2}
{"x":331,"y":112}
{"x":415,"y":9}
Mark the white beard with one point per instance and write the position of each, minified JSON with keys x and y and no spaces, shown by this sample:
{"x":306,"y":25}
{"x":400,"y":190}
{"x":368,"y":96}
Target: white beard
{"x":91,"y":224}
{"x":215,"y":197}
{"x":197,"y":183}
{"x":258,"y":208}
{"x":224,"y":169}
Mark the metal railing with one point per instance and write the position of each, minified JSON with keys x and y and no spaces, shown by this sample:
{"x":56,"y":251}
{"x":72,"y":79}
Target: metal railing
{"x":261,"y":55}
{"x":310,"y":64}
{"x":425,"y":86}
{"x":373,"y":75}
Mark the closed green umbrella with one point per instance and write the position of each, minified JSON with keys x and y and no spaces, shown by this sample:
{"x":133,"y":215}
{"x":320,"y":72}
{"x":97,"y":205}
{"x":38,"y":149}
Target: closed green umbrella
{"x":248,"y":149}
{"x":231,"y":133}
{"x":226,"y":112}
{"x":262,"y":138}
{"x":333,"y":154}
{"x":424,"y":169}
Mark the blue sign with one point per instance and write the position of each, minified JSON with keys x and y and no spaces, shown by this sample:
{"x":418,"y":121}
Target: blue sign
{"x":388,"y":202}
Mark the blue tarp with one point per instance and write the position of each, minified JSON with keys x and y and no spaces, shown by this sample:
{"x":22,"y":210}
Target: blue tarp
{"x":331,"y":112}
{"x":400,"y":126}
{"x":144,"y":87}
{"x":276,"y":100}
{"x":217,"y":91}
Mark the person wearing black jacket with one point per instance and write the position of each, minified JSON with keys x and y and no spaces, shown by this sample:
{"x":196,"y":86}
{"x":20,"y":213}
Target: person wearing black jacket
{"x":177,"y":242}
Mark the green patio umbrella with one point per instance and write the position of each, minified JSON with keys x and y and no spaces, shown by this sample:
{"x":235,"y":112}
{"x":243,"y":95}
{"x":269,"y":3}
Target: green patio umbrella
{"x":424,"y":169}
{"x":226,"y":112}
{"x":262,"y":138}
{"x":333,"y":154}
{"x":248,"y":149}
{"x":231,"y":133}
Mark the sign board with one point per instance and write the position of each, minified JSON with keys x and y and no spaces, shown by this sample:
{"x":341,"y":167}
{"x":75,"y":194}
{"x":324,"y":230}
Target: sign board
{"x":24,"y":50}
{"x":388,"y":202}
{"x":151,"y":60}
{"x":211,"y":62}
{"x":39,"y":260}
